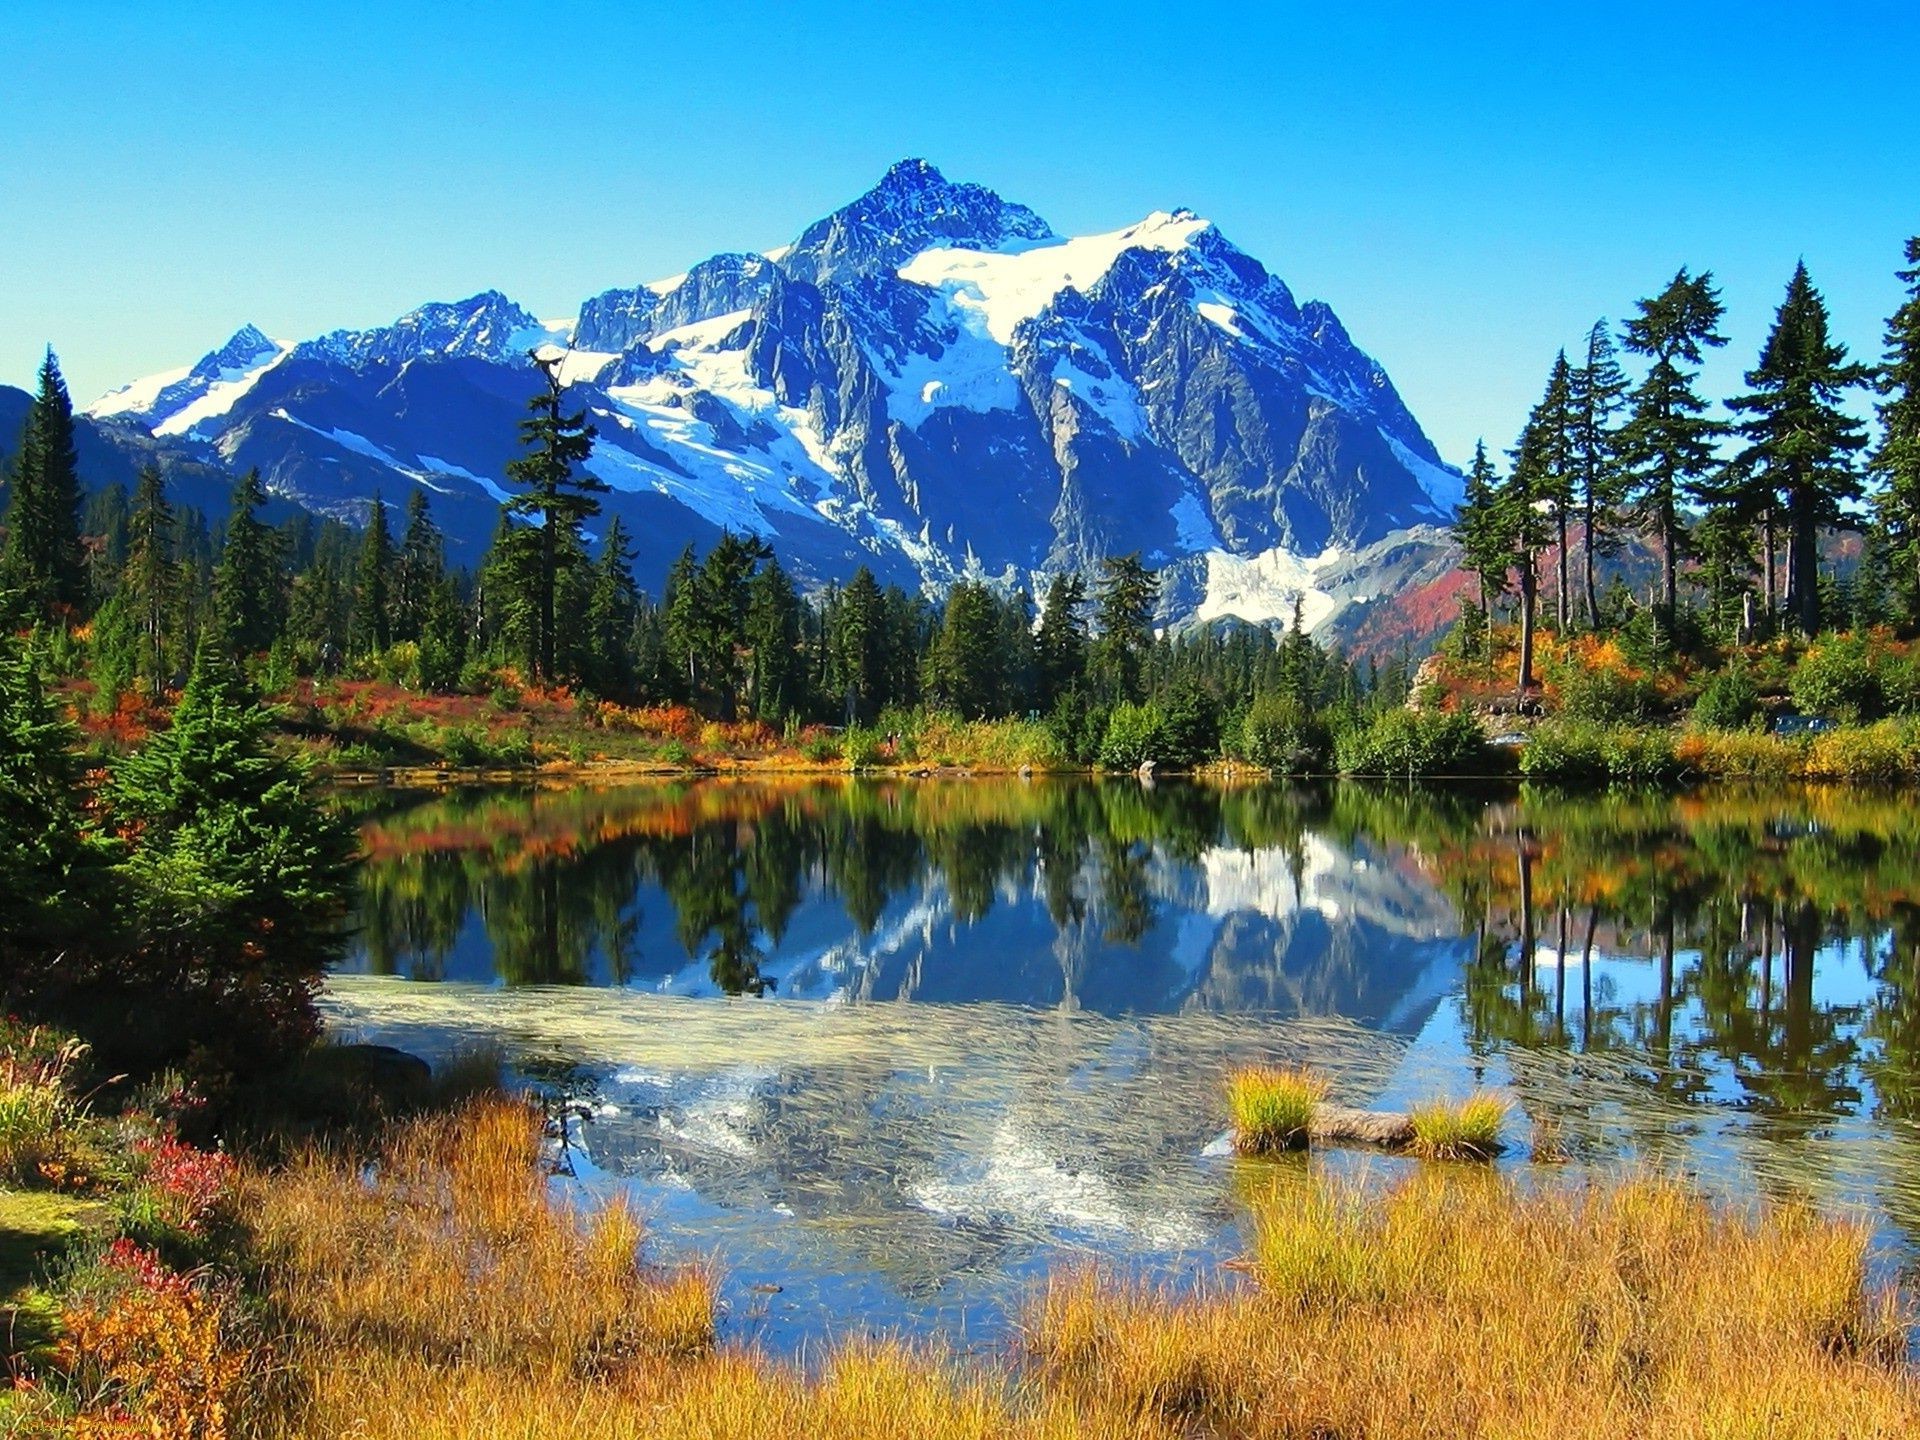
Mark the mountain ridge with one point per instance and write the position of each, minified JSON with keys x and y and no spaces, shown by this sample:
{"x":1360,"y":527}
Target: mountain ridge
{"x":928,"y":380}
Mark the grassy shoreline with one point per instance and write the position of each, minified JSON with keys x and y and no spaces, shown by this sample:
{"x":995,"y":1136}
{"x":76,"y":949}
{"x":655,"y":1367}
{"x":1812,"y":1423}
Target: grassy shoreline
{"x":426,"y":1282}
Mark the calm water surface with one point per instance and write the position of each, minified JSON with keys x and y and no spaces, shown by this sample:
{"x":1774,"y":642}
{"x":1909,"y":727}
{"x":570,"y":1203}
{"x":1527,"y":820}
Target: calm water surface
{"x":888,"y":1052}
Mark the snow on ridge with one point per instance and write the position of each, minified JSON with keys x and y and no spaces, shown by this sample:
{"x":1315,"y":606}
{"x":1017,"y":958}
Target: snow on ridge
{"x":1444,"y":487}
{"x":360,"y":445}
{"x":1262,"y":587}
{"x":1005,"y":286}
{"x":137,"y":395}
{"x":219,"y":397}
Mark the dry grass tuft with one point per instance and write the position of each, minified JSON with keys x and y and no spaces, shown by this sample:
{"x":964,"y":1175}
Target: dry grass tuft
{"x":1469,"y":1130}
{"x":1271,"y":1108}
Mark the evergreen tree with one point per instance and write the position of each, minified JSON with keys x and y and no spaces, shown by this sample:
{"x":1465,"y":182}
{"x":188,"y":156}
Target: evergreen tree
{"x":51,"y":860}
{"x":1060,"y":649}
{"x":372,"y":589}
{"x":1667,"y":444}
{"x":1524,"y":514}
{"x":1800,"y":443}
{"x":149,"y":581}
{"x":443,"y":637}
{"x":1599,"y":388}
{"x":1897,"y":459}
{"x":681,"y":607}
{"x":856,"y":643}
{"x":421,"y":566}
{"x":966,"y":668}
{"x":560,"y":494}
{"x":726,"y":578}
{"x":1554,"y":489}
{"x":612,"y":605}
{"x":241,"y":876}
{"x":776,"y":680}
{"x":41,"y":563}
{"x":1123,"y":620}
{"x":248,"y":594}
{"x":1479,"y":529}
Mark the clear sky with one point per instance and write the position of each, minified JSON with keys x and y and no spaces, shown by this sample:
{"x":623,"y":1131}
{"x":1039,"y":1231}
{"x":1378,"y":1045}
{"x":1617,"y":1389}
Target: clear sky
{"x":1469,"y":186}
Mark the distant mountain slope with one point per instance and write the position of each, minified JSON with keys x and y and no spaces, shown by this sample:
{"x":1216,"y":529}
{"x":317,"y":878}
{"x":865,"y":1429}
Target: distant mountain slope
{"x":928,"y":380}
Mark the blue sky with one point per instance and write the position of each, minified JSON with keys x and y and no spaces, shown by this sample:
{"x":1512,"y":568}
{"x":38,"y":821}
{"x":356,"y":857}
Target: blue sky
{"x":1468,"y":186}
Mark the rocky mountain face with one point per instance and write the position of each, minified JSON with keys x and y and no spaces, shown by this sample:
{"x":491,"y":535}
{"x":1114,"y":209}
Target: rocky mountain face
{"x":929,"y":381}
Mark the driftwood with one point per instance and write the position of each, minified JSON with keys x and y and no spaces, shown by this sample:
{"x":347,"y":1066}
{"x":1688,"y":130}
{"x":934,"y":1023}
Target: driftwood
{"x":1387,"y":1128}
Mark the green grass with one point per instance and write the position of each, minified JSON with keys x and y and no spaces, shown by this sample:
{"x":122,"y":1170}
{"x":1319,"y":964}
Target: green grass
{"x":1468,"y":1130}
{"x":1271,"y":1108}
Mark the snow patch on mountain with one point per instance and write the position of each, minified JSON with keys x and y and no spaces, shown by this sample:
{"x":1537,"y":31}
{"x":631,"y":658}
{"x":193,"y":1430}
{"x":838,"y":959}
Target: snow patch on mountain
{"x":1263,"y":587}
{"x":1446,"y":488}
{"x":1015,"y":283}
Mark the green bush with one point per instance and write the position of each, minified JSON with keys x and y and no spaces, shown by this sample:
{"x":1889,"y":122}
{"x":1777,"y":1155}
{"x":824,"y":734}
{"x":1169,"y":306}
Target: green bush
{"x":862,"y":746}
{"x":1414,"y":742}
{"x":1639,"y":756}
{"x":1900,"y":683}
{"x":1728,"y":701}
{"x":1285,"y":737}
{"x":821,"y":749}
{"x":1837,"y":678}
{"x":1135,"y":734}
{"x":1566,"y":752}
{"x":1606,"y":696}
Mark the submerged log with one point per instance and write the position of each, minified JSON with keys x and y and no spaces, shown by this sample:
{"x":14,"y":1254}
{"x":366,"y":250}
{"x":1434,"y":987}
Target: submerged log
{"x":1389,"y":1128}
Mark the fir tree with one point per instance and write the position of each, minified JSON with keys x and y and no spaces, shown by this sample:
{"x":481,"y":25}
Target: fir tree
{"x":1060,"y":649}
{"x":856,"y":643}
{"x":1667,"y":444}
{"x":560,"y":494}
{"x":421,"y":566}
{"x":1599,"y":388}
{"x":1123,"y":620}
{"x":681,"y":606}
{"x":1800,"y":443}
{"x":372,"y":589}
{"x":966,"y":668}
{"x":248,"y":594}
{"x":1897,"y":459}
{"x":41,"y":562}
{"x":149,"y":581}
{"x":776,"y":677}
{"x":1524,"y":510}
{"x":612,"y":603}
{"x":1479,"y":529}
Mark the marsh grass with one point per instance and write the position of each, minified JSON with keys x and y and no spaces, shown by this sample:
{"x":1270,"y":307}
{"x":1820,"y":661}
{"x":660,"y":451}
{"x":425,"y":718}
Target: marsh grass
{"x":1465,"y":1130}
{"x":1459,"y":1304}
{"x":1271,"y":1108}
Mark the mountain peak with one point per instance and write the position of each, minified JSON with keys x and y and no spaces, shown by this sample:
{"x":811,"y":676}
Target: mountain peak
{"x":244,"y":350}
{"x":913,"y":208}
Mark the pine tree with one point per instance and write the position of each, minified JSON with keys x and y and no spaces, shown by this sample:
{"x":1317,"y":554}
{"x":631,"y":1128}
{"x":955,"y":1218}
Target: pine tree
{"x":1480,"y":531}
{"x":856,"y":642}
{"x":1667,"y":444}
{"x":612,"y":603}
{"x":1524,"y":510}
{"x":726,"y":578}
{"x":372,"y":589}
{"x":1800,"y":443}
{"x":966,"y":668}
{"x":681,"y":606}
{"x":1897,"y":459}
{"x":561,"y":495}
{"x":1060,"y":649}
{"x":42,"y":566}
{"x":1123,"y":620}
{"x":248,"y":584}
{"x":1599,"y":391}
{"x":149,"y":580}
{"x":1554,"y":489}
{"x":421,"y":566}
{"x":776,"y":678}
{"x":443,"y":637}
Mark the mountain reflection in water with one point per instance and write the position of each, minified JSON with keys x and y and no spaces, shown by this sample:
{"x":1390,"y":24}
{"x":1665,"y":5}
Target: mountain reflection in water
{"x":1727,"y":984}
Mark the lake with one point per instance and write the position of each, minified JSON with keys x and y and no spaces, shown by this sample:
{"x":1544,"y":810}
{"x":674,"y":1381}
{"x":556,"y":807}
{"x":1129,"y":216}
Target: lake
{"x":886,"y":1052}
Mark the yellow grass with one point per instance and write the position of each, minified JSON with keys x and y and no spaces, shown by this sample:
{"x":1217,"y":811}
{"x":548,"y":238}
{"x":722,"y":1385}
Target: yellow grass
{"x":1457,"y":1305}
{"x":1271,"y":1107}
{"x":439,"y":1293}
{"x":1468,"y":1130}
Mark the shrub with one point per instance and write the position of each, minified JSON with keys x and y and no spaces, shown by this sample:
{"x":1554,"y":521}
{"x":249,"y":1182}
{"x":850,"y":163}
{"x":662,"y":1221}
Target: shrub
{"x":1900,"y":683}
{"x":1469,"y":1130}
{"x":1271,"y":1108}
{"x":1638,"y":756}
{"x":1285,"y":737}
{"x":1728,"y":701}
{"x":1566,"y":752}
{"x":1413,"y":742}
{"x":1606,"y":695}
{"x":1740,"y":755}
{"x":1884,"y":754}
{"x":1837,"y":678}
{"x":821,"y":748}
{"x":1135,"y":734}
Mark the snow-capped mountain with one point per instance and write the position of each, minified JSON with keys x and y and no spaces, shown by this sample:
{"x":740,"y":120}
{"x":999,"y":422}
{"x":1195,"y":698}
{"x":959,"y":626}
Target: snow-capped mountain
{"x":929,"y":381}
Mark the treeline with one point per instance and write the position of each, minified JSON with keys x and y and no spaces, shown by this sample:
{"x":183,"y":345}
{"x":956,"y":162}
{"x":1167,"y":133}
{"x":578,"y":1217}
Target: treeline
{"x":127,"y":588}
{"x":1738,"y":509}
